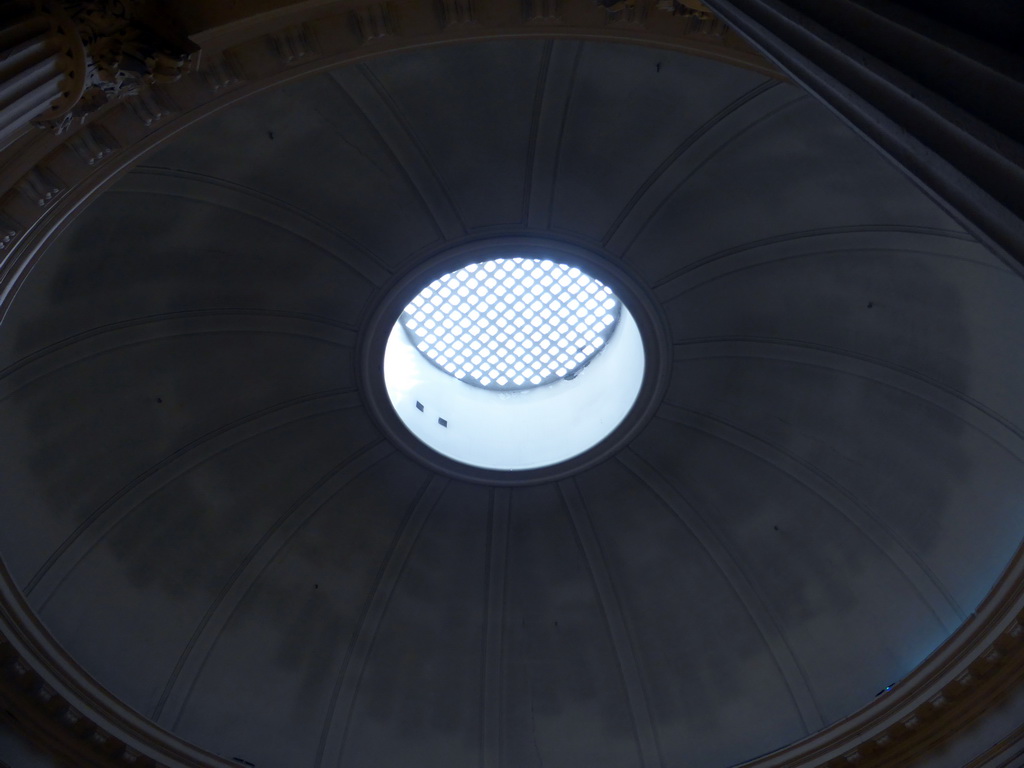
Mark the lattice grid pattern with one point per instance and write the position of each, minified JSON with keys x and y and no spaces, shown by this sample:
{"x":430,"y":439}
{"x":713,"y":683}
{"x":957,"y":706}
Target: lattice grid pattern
{"x":512,"y":323}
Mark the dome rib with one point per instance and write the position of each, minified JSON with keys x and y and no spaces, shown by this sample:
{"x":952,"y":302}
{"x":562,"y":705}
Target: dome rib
{"x":620,"y":632}
{"x":345,"y":690}
{"x":46,"y":581}
{"x":873,"y":369}
{"x":181,"y":683}
{"x":547,"y":125}
{"x":770,"y":103}
{"x":744,"y":101}
{"x":925,"y":583}
{"x":743,"y":584}
{"x":110,"y":338}
{"x":816,"y":253}
{"x":558,"y":140}
{"x":373,"y":102}
{"x":667,"y":292}
{"x":212,"y":190}
{"x":536,"y":112}
{"x":495,"y":617}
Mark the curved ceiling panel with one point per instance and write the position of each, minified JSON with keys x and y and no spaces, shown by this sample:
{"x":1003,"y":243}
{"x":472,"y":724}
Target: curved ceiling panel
{"x":206,"y":515}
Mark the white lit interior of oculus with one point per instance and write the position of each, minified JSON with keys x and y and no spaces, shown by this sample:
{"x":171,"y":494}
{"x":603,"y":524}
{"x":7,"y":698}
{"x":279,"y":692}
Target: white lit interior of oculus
{"x":512,"y":323}
{"x":548,"y":409}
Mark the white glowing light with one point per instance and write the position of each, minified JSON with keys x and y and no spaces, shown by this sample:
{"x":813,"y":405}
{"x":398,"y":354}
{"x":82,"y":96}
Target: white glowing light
{"x":528,"y":322}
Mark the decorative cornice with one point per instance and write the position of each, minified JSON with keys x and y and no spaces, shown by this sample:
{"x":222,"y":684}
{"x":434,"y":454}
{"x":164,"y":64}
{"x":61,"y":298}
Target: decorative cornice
{"x":66,"y":712}
{"x":66,"y":60}
{"x":696,"y":14}
{"x":976,"y":666}
{"x":57,"y":705}
{"x":139,"y":94}
{"x":1004,"y":754}
{"x":140,"y":97}
{"x":113,"y":56}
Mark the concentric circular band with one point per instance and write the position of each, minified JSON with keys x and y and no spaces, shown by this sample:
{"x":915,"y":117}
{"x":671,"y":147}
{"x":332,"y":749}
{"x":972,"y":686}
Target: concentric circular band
{"x":399,"y":298}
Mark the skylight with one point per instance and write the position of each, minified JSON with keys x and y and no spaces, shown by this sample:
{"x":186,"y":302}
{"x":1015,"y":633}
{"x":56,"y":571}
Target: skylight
{"x":512,"y":323}
{"x":509,"y":356}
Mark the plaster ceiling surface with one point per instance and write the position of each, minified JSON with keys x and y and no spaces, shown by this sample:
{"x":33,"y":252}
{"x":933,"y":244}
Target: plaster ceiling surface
{"x":202,"y":511}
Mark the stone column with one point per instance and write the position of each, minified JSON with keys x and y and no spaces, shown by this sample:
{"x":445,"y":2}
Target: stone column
{"x":42,"y":65}
{"x":62,"y":61}
{"x":945,"y":105}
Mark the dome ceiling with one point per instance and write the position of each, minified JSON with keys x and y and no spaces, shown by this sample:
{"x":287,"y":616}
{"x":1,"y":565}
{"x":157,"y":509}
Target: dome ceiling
{"x":205,"y":514}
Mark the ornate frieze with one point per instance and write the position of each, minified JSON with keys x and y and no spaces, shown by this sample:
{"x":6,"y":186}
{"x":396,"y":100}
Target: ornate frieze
{"x":453,"y":12}
{"x":41,"y":186}
{"x":293,"y":44}
{"x":698,"y":17}
{"x":8,"y":232}
{"x":220,"y":73}
{"x":93,"y":143}
{"x":686,"y":8}
{"x":150,"y":106}
{"x":625,"y":11}
{"x":373,"y":22}
{"x":540,"y":10}
{"x":120,"y":56}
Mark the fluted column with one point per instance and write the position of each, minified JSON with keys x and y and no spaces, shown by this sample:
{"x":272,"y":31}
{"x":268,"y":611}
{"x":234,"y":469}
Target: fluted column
{"x":42,"y":65}
{"x":940,"y":102}
{"x":62,"y":61}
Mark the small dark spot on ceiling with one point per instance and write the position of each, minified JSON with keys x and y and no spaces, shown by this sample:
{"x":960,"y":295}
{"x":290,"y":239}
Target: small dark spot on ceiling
{"x":270,"y":135}
{"x":657,"y":67}
{"x":443,"y":422}
{"x":871,"y":304}
{"x":159,"y":399}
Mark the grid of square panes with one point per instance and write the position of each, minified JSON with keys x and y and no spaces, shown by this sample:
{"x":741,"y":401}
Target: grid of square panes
{"x":512,"y":323}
